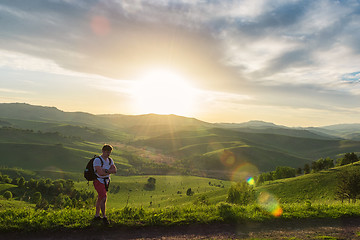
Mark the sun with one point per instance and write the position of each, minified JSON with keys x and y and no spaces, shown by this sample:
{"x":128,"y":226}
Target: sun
{"x":163,"y":92}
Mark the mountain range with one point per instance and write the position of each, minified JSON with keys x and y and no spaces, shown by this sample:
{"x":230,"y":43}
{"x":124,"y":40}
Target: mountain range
{"x":200,"y":147}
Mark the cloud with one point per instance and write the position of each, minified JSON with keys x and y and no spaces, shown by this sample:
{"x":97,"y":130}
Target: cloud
{"x":297,"y":50}
{"x":7,"y":90}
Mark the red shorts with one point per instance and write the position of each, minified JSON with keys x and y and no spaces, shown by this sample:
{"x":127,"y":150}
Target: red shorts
{"x":100,"y":188}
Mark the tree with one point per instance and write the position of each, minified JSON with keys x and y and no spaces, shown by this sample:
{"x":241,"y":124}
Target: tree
{"x":36,"y":197}
{"x":260,"y":179}
{"x":284,"y":172}
{"x":348,"y":185}
{"x":15,"y":181}
{"x":21,"y":182}
{"x":6,"y":179}
{"x":263,"y":177}
{"x":306,"y":169}
{"x":150,"y":185}
{"x":189,"y":192}
{"x":347,"y":159}
{"x":8,"y":195}
{"x":322,"y":164}
{"x":32,"y":184}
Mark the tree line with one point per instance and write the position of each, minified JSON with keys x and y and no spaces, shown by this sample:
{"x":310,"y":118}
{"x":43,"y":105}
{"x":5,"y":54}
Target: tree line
{"x":46,"y":193}
{"x":347,"y":188}
{"x":315,"y":166}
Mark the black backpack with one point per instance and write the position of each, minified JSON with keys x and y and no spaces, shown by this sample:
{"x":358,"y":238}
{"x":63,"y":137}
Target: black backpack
{"x":89,"y":173}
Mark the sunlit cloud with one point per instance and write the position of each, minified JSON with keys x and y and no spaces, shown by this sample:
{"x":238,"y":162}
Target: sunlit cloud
{"x":7,"y":90}
{"x":19,"y":61}
{"x":239,"y":54}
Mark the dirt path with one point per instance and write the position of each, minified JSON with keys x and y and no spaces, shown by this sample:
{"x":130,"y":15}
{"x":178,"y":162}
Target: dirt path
{"x":344,"y":228}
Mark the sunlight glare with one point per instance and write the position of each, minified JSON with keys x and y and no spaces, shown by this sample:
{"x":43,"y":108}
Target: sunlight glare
{"x":163,"y":92}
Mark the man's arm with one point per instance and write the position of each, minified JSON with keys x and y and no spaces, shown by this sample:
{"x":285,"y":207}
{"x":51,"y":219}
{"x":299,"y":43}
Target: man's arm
{"x":100,"y":171}
{"x":113,"y":169}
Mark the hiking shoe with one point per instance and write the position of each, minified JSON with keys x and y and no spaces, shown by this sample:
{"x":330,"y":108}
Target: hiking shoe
{"x":105,"y":221}
{"x":96,"y":219}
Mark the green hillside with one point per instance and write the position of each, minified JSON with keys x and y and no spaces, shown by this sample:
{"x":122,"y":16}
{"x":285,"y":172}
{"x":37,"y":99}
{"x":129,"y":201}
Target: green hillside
{"x":169,"y":191}
{"x":205,"y":149}
{"x":67,"y":130}
{"x":40,"y":157}
{"x":172,"y":143}
{"x":315,"y":187}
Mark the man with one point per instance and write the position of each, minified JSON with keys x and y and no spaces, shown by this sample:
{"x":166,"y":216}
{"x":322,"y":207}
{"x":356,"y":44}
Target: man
{"x":103,"y":167}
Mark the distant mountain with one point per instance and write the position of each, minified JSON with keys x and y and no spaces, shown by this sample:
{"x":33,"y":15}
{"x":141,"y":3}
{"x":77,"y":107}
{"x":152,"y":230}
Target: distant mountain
{"x":26,"y":111}
{"x":138,"y":125}
{"x":254,"y":124}
{"x":271,"y":128}
{"x":343,"y":127}
{"x":345,"y":131}
{"x":153,"y":124}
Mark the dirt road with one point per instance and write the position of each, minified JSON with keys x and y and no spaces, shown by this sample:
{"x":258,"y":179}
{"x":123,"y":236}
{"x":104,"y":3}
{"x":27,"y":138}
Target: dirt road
{"x":344,"y":228}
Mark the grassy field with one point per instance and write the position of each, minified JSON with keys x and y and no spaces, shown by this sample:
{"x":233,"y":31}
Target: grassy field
{"x":129,"y":204}
{"x":169,"y":191}
{"x":314,"y":187}
{"x":58,"y":160}
{"x":27,"y":219}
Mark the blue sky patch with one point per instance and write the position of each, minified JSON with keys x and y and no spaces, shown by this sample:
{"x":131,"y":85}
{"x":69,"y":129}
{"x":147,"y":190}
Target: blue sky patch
{"x":351,"y":77}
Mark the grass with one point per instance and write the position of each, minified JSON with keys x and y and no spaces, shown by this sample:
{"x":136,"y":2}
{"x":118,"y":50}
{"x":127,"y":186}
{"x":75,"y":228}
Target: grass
{"x":27,"y":219}
{"x":54,"y":157}
{"x":169,"y":191}
{"x":130,"y":205}
{"x":315,"y":187}
{"x":12,"y":204}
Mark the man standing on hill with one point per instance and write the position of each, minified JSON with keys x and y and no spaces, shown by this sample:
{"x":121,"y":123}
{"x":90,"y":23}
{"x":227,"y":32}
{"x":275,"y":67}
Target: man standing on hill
{"x":103,"y":167}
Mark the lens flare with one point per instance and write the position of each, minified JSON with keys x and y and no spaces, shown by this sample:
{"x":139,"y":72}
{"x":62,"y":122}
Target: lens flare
{"x":251,"y":181}
{"x":100,"y":25}
{"x":244,"y":172}
{"x":228,"y":158}
{"x":213,"y":146}
{"x":270,"y":204}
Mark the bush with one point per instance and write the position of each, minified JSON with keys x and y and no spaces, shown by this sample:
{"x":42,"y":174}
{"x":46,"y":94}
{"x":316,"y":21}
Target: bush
{"x":8,"y":195}
{"x":36,"y":197}
{"x":189,"y":192}
{"x":150,"y":185}
{"x":202,"y":200}
{"x":226,"y":212}
{"x":347,"y":159}
{"x":241,"y":193}
{"x":348,"y":186}
{"x":322,"y":164}
{"x":284,"y":172}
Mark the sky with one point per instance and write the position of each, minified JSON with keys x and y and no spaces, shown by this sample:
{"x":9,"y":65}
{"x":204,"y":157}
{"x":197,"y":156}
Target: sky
{"x":293,"y":62}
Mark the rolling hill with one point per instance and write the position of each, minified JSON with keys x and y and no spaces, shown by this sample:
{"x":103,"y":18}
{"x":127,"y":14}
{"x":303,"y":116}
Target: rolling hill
{"x":206,"y":149}
{"x":198,"y":147}
{"x":137,"y":126}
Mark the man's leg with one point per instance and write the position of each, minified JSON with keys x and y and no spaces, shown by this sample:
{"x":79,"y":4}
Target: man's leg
{"x":103,"y":206}
{"x":101,"y":200}
{"x":98,"y":207}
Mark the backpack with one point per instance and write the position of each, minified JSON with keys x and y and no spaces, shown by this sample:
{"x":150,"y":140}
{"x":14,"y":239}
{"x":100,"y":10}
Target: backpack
{"x":89,"y":172}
